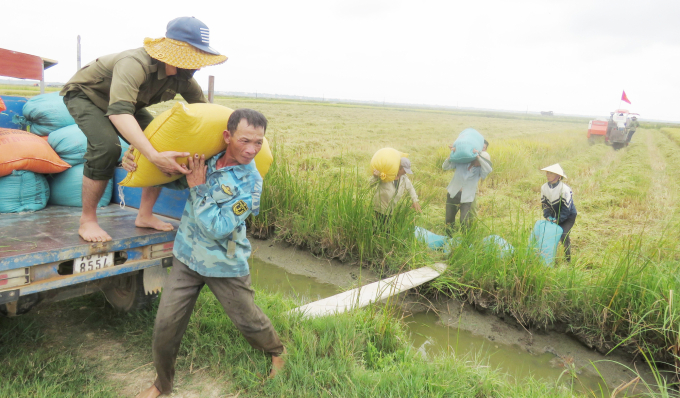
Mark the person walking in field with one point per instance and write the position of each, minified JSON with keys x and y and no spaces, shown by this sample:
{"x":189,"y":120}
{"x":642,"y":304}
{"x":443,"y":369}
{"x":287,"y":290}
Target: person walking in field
{"x":388,"y":194}
{"x":211,"y":248}
{"x":462,"y":189}
{"x":632,"y":127}
{"x":108,"y":97}
{"x":557,"y":201}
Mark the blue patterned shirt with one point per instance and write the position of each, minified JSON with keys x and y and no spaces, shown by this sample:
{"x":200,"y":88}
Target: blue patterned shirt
{"x":211,"y":238}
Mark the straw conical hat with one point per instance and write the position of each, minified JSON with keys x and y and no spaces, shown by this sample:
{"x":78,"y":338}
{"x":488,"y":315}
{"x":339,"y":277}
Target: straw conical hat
{"x":555,"y":168}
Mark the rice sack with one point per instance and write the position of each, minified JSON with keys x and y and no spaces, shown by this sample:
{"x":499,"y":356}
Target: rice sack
{"x":387,"y":162}
{"x":468,"y":140}
{"x":21,"y":150}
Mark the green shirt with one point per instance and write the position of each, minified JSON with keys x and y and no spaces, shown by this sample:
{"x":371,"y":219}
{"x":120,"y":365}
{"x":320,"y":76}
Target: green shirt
{"x":126,"y":82}
{"x":633,"y":125}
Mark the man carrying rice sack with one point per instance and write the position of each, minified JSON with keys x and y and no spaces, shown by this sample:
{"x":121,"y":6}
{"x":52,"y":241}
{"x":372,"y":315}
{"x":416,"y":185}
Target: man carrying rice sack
{"x":108,"y":98}
{"x":211,"y":248}
{"x":388,"y":194}
{"x":462,"y":189}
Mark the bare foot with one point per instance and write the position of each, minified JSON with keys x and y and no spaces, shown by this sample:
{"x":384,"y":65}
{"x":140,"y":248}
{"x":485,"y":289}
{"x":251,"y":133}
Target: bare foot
{"x":151,"y":392}
{"x":152,"y":222}
{"x":277,"y":364}
{"x":92,"y":232}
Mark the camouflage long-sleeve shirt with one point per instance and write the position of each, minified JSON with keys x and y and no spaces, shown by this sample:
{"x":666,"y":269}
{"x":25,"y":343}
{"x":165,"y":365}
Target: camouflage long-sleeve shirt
{"x":211,"y":238}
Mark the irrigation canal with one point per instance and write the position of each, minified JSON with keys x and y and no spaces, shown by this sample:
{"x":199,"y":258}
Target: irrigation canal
{"x":432,"y":337}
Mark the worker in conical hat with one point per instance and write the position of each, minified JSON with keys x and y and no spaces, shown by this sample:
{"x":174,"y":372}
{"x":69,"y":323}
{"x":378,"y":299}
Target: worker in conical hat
{"x":108,"y":98}
{"x":557,"y":200}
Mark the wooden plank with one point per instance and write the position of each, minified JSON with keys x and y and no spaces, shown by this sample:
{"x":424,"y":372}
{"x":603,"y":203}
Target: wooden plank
{"x":371,"y":293}
{"x":20,"y":65}
{"x":51,"y":235}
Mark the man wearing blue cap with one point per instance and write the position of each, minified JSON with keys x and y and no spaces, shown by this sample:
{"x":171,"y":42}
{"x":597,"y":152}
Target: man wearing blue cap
{"x":108,"y":98}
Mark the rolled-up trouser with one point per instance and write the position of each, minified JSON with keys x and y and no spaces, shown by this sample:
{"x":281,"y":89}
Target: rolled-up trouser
{"x":177,"y":302}
{"x":103,"y":146}
{"x":566,"y":241}
{"x":452,"y":206}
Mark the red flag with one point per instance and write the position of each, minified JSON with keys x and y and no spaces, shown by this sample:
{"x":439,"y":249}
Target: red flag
{"x":624,"y":97}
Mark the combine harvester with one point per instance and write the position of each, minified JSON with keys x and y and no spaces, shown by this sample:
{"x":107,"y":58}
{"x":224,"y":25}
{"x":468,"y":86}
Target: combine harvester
{"x":613,"y":132}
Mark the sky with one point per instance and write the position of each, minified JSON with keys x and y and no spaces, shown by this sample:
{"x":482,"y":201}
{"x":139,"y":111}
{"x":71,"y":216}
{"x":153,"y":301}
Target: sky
{"x":570,"y":57}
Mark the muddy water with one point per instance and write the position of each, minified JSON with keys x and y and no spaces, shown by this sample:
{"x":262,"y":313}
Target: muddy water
{"x":430,"y":336}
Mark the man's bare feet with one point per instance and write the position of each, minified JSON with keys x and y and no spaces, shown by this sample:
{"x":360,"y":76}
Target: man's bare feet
{"x":277,"y":364}
{"x":151,"y":392}
{"x":92,"y":232}
{"x":152,"y":222}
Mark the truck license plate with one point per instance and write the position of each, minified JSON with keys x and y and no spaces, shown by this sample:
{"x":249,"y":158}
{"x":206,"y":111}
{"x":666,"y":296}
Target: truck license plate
{"x":92,"y":263}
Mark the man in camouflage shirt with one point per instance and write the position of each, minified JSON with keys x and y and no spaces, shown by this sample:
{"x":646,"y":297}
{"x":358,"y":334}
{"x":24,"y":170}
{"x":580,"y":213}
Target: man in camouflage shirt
{"x":211,"y":248}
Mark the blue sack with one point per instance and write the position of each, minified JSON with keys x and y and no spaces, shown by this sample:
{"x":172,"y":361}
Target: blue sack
{"x":46,"y":113}
{"x":67,"y":188}
{"x":545,"y":238}
{"x":23,"y":191}
{"x":433,"y":240}
{"x":71,"y":144}
{"x":11,"y":117}
{"x":468,"y":140}
{"x":495,"y":242}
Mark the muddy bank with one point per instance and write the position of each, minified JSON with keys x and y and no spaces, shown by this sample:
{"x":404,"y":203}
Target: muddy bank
{"x":557,"y":350}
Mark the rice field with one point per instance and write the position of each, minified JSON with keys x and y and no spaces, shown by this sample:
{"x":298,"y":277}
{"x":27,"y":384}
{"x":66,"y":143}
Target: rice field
{"x":620,"y":290}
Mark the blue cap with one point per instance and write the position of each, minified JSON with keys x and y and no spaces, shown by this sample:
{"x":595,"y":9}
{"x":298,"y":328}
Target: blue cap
{"x":190,"y":30}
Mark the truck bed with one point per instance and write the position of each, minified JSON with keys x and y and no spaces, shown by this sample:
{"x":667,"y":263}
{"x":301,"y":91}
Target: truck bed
{"x":51,"y":235}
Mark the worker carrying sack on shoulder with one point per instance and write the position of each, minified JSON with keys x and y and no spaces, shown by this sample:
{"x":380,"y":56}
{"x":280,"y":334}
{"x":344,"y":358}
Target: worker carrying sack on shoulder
{"x":468,"y":140}
{"x":23,"y":191}
{"x":193,"y":128}
{"x":387,"y":162}
{"x":46,"y":113}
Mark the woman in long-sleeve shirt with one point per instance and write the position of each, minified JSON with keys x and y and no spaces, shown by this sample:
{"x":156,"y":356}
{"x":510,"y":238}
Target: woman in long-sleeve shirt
{"x":557,"y":201}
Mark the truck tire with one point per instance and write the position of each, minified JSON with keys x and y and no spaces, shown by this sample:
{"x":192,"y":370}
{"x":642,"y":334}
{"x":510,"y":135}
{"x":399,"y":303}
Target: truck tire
{"x":126,"y":293}
{"x":23,"y":306}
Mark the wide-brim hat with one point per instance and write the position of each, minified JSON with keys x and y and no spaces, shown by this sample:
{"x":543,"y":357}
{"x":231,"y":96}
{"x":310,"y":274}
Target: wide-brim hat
{"x":555,"y":168}
{"x":180,"y":54}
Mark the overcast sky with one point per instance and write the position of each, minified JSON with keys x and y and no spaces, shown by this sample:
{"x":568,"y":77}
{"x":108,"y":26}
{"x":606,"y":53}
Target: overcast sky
{"x":572,"y":57}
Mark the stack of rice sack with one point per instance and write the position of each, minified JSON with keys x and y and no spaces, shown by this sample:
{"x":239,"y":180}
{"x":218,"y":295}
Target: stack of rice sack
{"x":44,"y":165}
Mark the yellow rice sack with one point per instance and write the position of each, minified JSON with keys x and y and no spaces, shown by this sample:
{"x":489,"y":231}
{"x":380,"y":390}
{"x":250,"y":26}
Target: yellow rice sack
{"x":387,"y":161}
{"x":193,"y":128}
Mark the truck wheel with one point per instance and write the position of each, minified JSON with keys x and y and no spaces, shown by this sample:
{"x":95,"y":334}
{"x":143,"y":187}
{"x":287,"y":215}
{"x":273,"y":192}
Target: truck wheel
{"x":126,"y":293}
{"x":23,"y":306}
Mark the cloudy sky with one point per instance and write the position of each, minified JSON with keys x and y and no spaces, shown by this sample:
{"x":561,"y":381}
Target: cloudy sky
{"x":571,"y":57}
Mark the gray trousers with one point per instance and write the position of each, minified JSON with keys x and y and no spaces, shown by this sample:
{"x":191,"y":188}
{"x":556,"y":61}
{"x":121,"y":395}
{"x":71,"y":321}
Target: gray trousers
{"x":453,"y":205}
{"x":177,"y":302}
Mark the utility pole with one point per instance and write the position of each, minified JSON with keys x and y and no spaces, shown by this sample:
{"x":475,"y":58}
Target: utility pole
{"x":211,"y":89}
{"x":78,"y":60}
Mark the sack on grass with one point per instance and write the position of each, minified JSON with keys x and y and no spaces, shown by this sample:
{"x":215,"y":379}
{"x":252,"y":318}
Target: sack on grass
{"x":66,"y":189}
{"x":46,"y":113}
{"x":71,"y":144}
{"x":387,"y":162}
{"x":23,"y":191}
{"x":21,"y":150}
{"x":468,"y":140}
